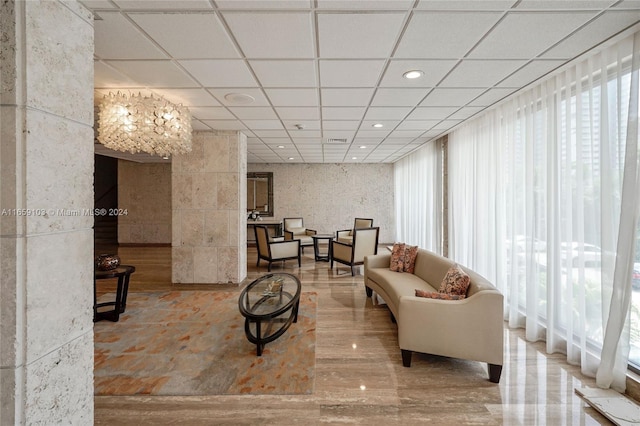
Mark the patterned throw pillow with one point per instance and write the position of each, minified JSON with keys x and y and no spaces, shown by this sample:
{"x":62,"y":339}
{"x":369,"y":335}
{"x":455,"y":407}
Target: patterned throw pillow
{"x":455,"y":282}
{"x":410,"y":253}
{"x":438,"y":295}
{"x":397,"y":258}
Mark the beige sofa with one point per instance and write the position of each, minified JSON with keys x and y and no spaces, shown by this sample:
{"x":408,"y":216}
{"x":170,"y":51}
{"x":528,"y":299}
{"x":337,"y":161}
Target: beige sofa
{"x":471,"y":328}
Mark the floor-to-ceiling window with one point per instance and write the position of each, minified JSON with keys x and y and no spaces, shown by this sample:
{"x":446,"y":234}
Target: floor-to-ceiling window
{"x":537,"y":205}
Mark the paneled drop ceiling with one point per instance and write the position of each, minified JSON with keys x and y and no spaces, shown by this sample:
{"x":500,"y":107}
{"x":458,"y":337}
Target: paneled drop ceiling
{"x":321,"y":73}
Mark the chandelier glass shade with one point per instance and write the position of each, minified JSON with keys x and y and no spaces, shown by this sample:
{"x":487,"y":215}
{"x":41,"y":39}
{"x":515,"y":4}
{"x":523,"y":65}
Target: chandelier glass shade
{"x":136,"y":123}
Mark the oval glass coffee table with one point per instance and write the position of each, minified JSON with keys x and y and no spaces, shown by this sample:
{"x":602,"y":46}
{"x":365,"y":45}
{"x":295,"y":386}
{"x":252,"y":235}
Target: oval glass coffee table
{"x":269,"y":306}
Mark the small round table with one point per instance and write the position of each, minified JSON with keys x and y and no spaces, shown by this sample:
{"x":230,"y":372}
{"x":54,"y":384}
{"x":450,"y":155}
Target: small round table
{"x":122,"y":273}
{"x":319,"y":256}
{"x":269,"y":305}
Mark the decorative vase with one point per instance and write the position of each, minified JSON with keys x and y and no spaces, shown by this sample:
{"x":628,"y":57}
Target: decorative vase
{"x":107,"y":262}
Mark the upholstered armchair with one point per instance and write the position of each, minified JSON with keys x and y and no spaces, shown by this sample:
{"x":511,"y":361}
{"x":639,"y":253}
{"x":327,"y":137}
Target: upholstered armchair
{"x":346,"y":235}
{"x":273,"y":251}
{"x":294,"y":230}
{"x":365,"y":243}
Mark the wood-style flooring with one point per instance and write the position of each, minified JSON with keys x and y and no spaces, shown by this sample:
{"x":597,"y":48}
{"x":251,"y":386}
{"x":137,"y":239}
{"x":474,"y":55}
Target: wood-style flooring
{"x":359,"y":374}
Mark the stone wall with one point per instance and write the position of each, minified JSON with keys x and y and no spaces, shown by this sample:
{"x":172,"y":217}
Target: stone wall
{"x":144,"y":194}
{"x":209,"y":203}
{"x":46,"y":243}
{"x":330,"y":196}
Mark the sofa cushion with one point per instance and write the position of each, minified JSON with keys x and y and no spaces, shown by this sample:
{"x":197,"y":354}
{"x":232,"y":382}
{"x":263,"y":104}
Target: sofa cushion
{"x":397,"y":258}
{"x":410,"y":253}
{"x":397,"y":285}
{"x":438,"y":295}
{"x":456,"y":281}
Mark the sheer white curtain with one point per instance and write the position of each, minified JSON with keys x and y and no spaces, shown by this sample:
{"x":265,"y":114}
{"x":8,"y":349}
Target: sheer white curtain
{"x":418,"y":198}
{"x":535,"y":196}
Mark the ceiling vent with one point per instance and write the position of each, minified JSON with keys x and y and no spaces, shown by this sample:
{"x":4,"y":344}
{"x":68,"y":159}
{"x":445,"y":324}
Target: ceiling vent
{"x":337,"y":141}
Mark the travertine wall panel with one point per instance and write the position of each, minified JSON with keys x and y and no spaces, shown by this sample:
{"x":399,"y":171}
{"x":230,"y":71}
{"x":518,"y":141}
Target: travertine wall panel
{"x":144,"y":190}
{"x":208,"y":208}
{"x":330,"y":196}
{"x":46,"y":170}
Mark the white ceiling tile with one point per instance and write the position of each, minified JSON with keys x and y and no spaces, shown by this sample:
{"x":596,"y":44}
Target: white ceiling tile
{"x":342,"y":113}
{"x":281,"y":35}
{"x":564,"y":4}
{"x":198,"y":125}
{"x":346,"y":97}
{"x":98,"y":4}
{"x":511,"y":38}
{"x":283,"y":73}
{"x":220,"y":72}
{"x":466,"y":4}
{"x":358,"y":35}
{"x":163,"y":4}
{"x":491,"y":96}
{"x":271,"y":133}
{"x":339,"y":125}
{"x":105,"y":75}
{"x":263,"y":124}
{"x":480,"y":73}
{"x":446,"y":124}
{"x":450,"y":97}
{"x":117,"y":38}
{"x":398,"y":97}
{"x":433,"y":70}
{"x":338,"y":134}
{"x":449,"y":35}
{"x":261,"y":4}
{"x":350,"y":73}
{"x":224,"y":124}
{"x":365,"y":4}
{"x":431,"y":113}
{"x":276,"y":141}
{"x":261,"y":113}
{"x":302,"y":141}
{"x":205,"y":27}
{"x":293,"y":97}
{"x":630,"y":4}
{"x":298,"y":113}
{"x":465,"y":113}
{"x":189,"y":97}
{"x":387,"y":113}
{"x":154,"y":73}
{"x":306,"y":124}
{"x":422,"y":125}
{"x":605,"y":26}
{"x":530,"y":73}
{"x":211,"y":113}
{"x":311,"y":133}
{"x":406,"y":133}
{"x":373,"y":133}
{"x":256,"y":94}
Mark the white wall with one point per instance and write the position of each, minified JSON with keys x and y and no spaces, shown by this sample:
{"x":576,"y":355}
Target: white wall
{"x":330,"y":196}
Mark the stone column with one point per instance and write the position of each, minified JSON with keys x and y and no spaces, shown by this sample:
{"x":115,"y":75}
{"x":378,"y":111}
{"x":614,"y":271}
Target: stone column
{"x":46,"y":236}
{"x":209,"y":210}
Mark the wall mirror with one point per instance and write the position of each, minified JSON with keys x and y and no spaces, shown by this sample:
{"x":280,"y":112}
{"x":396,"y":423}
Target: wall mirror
{"x":260,"y":193}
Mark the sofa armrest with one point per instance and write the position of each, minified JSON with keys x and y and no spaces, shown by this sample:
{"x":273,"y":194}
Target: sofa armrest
{"x":343,"y":233}
{"x":377,"y":261}
{"x":288,"y":235}
{"x":471,"y":328}
{"x":311,"y":232}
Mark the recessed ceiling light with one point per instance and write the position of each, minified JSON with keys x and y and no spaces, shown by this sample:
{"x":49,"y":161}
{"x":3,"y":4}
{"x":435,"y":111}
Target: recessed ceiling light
{"x":413,"y":74}
{"x":354,"y":158}
{"x":291,"y":158}
{"x":363,"y":146}
{"x":239,"y":98}
{"x":378,"y":125}
{"x":280,"y":146}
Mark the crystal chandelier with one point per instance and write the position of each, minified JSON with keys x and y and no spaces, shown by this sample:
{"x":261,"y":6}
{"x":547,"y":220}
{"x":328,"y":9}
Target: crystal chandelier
{"x":136,"y":123}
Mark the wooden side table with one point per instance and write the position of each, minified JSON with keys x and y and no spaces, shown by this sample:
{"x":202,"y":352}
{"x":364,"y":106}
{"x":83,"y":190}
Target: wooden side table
{"x":122,"y":273}
{"x":319,"y":256}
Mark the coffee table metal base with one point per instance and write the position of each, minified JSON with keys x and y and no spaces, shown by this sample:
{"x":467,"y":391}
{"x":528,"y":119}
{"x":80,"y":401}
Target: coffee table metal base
{"x":264,"y":333}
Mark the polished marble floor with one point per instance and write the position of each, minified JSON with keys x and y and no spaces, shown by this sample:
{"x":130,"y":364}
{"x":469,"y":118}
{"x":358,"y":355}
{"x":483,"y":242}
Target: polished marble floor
{"x":359,"y":373}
